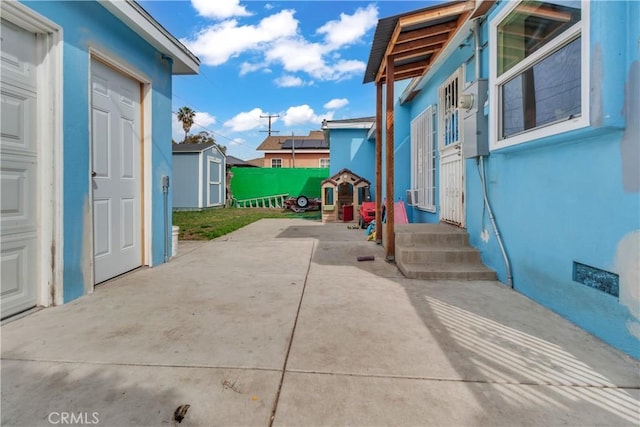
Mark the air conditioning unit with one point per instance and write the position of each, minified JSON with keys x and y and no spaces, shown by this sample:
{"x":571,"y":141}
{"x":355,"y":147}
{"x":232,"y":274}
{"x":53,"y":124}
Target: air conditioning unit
{"x":412,"y":197}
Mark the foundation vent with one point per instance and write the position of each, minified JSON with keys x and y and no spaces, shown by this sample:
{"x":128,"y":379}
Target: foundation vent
{"x":596,"y":278}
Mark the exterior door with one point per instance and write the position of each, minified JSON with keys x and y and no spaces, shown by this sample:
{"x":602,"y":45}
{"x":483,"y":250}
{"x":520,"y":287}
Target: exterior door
{"x":18,"y":170}
{"x":214,"y":191}
{"x":452,"y":208}
{"x":116,"y":175}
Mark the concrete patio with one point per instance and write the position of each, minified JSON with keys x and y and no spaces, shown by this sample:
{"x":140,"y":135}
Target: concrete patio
{"x":279,"y":324}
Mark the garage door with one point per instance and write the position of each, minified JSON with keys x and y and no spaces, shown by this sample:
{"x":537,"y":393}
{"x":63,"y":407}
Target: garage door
{"x":116,"y":163}
{"x":18,"y":170}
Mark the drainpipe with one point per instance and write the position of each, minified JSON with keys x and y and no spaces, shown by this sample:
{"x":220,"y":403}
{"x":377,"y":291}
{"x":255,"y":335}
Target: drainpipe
{"x":483,"y":181}
{"x":165,"y":193}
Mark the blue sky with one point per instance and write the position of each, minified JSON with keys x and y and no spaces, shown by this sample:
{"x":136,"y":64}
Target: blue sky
{"x":301,"y":60}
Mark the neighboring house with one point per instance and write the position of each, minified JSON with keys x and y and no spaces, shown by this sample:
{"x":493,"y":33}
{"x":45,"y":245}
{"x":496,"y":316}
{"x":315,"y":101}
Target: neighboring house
{"x":536,"y":105}
{"x":257,"y":162}
{"x":234,"y":162}
{"x":311,"y":151}
{"x":86,"y":144}
{"x":199,"y":176}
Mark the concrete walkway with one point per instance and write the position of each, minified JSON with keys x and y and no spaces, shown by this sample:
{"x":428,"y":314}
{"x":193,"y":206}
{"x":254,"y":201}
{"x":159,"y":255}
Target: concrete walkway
{"x":278,"y":324}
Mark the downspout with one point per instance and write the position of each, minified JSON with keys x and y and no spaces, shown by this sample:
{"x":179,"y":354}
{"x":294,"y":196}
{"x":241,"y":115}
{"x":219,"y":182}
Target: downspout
{"x":165,"y":193}
{"x":483,"y":181}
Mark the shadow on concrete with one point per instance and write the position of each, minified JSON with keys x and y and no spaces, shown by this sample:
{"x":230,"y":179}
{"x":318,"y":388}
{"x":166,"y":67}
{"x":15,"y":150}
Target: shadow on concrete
{"x":59,"y":393}
{"x":536,"y":363}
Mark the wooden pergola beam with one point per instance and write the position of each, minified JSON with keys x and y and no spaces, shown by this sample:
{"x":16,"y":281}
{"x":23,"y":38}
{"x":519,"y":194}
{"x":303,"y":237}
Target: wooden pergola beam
{"x":378,"y":162}
{"x":390,"y":238}
{"x":422,"y":33}
{"x":420,"y":43}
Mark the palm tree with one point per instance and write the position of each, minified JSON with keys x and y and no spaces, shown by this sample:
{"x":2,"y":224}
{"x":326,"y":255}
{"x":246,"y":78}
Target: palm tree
{"x":186,"y":115}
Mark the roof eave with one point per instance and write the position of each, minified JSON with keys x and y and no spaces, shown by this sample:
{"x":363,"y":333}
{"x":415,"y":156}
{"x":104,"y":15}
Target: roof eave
{"x":139,"y":20}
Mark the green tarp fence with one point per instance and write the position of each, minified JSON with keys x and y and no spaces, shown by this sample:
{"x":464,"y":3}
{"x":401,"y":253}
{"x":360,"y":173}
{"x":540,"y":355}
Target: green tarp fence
{"x":249,"y":183}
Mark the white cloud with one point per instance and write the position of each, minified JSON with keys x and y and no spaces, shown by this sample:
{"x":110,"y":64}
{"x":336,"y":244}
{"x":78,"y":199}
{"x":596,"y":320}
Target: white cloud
{"x":303,"y":114}
{"x":247,"y":120}
{"x":247,"y":67}
{"x":216,"y":44}
{"x":278,"y":38}
{"x":237,"y":141}
{"x":203,"y":120}
{"x":219,"y":9}
{"x":288,"y":81}
{"x":349,"y":28}
{"x":336,"y":103}
{"x":268,"y":6}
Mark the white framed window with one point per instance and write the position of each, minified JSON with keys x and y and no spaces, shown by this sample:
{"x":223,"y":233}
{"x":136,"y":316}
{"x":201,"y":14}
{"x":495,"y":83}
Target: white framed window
{"x":276,"y":163}
{"x":324,"y":162}
{"x":448,"y":94}
{"x":538,"y":71}
{"x":423,"y":160}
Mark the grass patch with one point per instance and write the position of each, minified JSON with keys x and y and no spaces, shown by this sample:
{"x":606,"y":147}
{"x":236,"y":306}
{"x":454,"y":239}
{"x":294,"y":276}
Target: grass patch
{"x":211,"y":223}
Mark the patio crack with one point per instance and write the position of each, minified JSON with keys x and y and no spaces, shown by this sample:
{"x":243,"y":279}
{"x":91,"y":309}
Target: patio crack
{"x":293,"y":332}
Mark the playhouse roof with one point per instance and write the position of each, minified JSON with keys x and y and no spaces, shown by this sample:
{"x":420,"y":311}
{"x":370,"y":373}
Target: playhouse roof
{"x":337,"y":178}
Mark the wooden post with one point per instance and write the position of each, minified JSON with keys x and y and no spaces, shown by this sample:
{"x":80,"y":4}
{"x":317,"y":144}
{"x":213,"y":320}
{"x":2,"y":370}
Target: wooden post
{"x":378,"y":195}
{"x":390,"y":238}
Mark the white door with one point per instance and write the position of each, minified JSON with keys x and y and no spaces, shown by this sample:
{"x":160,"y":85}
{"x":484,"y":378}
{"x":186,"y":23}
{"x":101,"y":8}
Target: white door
{"x":452,"y":209}
{"x":116,"y":163}
{"x":18,"y":170}
{"x":214,"y":171}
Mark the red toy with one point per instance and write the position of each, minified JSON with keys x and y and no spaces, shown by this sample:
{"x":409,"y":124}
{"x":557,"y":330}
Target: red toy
{"x":367,"y":213}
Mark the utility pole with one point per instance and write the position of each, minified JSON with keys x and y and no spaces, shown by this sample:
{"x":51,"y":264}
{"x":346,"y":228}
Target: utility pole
{"x":293,"y":149}
{"x":269,"y":116}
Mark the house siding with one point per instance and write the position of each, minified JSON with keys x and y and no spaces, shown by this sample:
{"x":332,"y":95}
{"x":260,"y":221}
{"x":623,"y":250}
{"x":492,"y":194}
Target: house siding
{"x":351,"y":149}
{"x":88,"y":24}
{"x":303,"y":160}
{"x":568,"y":198}
{"x":185,"y":180}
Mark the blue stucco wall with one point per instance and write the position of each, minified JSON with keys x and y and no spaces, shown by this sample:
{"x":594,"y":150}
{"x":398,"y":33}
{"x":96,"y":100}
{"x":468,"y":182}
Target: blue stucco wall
{"x":87,"y":24}
{"x":570,"y":197}
{"x":351,"y":149}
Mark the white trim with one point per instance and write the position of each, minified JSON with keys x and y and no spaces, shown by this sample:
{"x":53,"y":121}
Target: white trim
{"x":581,"y":29}
{"x":423,"y":140}
{"x":298,"y":151}
{"x":136,"y":18}
{"x":328,"y":159}
{"x":50,"y":162}
{"x":211,"y":159}
{"x":350,"y":125}
{"x":147,"y":159}
{"x":200,"y":178}
{"x":276,"y":158}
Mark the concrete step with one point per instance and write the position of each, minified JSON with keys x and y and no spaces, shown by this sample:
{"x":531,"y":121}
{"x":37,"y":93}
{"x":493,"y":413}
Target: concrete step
{"x":438,"y":252}
{"x":434,"y":253}
{"x":447,"y":271}
{"x":431,"y":234}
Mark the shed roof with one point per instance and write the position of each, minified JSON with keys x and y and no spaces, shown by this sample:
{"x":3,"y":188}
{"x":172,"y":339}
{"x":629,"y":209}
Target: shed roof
{"x":234,"y":161}
{"x":274,"y":142}
{"x":140,"y":21}
{"x":414,"y":40}
{"x":191,"y":148}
